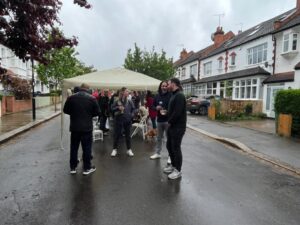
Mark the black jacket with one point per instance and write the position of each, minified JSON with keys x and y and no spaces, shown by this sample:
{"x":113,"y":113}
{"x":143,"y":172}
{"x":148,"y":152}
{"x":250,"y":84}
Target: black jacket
{"x":164,"y":100}
{"x":81,"y":107}
{"x":104,"y":105}
{"x":177,"y":110}
{"x":128,"y":112}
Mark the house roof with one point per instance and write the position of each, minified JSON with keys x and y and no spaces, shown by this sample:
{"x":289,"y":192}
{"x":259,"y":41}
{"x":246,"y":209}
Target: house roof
{"x":189,"y":80}
{"x":280,"y":77}
{"x":180,"y":62}
{"x":236,"y":74}
{"x":251,"y":34}
{"x":293,"y":22}
{"x":297,"y":67}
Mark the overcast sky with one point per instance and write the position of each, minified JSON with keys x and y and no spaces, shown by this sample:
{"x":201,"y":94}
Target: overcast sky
{"x":111,"y":27}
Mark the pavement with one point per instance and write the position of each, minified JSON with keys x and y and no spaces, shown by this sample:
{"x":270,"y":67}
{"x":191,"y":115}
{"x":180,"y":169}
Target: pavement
{"x":267,"y":146}
{"x":17,"y":123}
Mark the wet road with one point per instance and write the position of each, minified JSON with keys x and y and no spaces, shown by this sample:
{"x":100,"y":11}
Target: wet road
{"x":219,"y":186}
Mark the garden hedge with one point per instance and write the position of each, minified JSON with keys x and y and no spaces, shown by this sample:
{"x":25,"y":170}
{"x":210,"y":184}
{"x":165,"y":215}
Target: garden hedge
{"x":288,"y":102}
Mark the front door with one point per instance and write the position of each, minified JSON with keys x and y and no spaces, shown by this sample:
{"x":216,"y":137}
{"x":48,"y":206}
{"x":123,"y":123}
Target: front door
{"x":271,"y":94}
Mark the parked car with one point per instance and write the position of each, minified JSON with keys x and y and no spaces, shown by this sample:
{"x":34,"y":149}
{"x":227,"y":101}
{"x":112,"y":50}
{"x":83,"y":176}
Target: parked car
{"x":196,"y":104}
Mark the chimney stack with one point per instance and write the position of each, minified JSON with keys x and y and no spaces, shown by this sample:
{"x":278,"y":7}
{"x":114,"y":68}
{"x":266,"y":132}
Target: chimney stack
{"x":183,"y":54}
{"x":219,"y":36}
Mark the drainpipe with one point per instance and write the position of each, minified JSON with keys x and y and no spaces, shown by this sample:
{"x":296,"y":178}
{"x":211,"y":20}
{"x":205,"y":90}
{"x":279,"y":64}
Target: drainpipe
{"x":274,"y":52}
{"x":199,"y":61}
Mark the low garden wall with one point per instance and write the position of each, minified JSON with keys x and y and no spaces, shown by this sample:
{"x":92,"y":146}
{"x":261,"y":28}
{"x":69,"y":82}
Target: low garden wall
{"x":238,"y":106}
{"x":10,"y":105}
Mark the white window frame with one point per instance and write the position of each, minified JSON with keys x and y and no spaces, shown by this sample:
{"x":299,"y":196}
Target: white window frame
{"x":207,"y":68}
{"x":288,"y":41}
{"x":193,"y":70}
{"x":257,"y":54}
{"x":183,"y":72}
{"x":220,"y":64}
{"x":242,"y":87}
{"x":233,"y":60}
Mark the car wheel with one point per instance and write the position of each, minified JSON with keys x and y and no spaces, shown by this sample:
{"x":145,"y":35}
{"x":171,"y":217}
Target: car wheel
{"x":193,"y":111}
{"x":203,"y":110}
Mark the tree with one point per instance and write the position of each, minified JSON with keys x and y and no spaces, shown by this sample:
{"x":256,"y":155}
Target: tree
{"x":62,"y":64}
{"x":150,"y":63}
{"x":25,"y":26}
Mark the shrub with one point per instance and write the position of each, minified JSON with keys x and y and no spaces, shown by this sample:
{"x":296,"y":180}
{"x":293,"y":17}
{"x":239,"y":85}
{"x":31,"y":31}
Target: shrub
{"x":288,"y":102}
{"x":248,"y":109}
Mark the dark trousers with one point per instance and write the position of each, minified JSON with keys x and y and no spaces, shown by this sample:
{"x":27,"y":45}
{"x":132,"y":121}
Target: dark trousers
{"x":174,"y":139}
{"x":103,"y":123}
{"x":153,"y":120}
{"x":86,"y":140}
{"x":119,"y":127}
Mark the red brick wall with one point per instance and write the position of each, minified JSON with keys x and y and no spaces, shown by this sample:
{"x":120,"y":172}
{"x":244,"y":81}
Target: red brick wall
{"x":10,"y":105}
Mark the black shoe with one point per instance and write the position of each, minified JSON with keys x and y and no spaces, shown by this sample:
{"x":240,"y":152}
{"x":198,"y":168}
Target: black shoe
{"x":89,"y":171}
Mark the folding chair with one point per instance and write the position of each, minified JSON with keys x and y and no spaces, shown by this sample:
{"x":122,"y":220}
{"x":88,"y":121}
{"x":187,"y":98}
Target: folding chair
{"x":97,"y":133}
{"x":142,"y":125}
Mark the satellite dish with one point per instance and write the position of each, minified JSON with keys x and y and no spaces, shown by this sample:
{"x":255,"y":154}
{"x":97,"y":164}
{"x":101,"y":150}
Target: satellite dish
{"x":266,"y":64}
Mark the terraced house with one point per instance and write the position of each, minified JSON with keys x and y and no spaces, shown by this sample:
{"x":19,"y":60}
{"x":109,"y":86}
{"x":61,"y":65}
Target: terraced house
{"x":252,"y":65}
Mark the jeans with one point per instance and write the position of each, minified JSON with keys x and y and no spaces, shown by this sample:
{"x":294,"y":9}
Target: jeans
{"x":86,"y":140}
{"x":119,"y":127}
{"x":162,"y":128}
{"x":174,"y":140}
{"x":153,"y":120}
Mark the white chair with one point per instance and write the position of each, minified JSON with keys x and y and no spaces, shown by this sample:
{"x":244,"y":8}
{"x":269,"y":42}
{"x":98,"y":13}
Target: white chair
{"x":142,"y":125}
{"x":97,"y":135}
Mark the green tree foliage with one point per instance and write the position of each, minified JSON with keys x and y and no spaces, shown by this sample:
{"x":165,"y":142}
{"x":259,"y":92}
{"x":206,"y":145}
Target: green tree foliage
{"x":62,"y":64}
{"x":151,"y":63}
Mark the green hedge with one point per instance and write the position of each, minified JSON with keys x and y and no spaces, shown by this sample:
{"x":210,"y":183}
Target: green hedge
{"x":288,"y":102}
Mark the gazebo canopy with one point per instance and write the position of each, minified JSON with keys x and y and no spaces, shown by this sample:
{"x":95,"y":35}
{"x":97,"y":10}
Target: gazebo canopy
{"x":114,"y":79}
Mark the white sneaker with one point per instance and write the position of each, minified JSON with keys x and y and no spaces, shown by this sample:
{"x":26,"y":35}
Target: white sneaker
{"x":174,"y":175}
{"x":155,"y":156}
{"x":169,"y":161}
{"x":130,"y":153}
{"x":114,"y":153}
{"x":168,"y":169}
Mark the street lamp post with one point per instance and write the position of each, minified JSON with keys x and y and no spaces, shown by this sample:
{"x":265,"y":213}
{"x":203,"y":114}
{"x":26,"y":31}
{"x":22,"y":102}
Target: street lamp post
{"x":33,"y":97}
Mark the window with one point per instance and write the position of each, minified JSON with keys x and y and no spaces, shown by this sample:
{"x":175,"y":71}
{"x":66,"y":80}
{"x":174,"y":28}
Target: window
{"x":183,"y":72}
{"x":232,"y":63}
{"x":246,"y":89}
{"x":207,"y":68}
{"x":193,"y":70}
{"x":290,"y":42}
{"x":212,"y":88}
{"x":295,"y":38}
{"x":200,"y":90}
{"x":220,"y":64}
{"x":257,"y":54}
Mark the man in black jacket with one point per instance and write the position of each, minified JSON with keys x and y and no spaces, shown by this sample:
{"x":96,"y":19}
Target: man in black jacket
{"x":177,"y":125}
{"x":81,"y":107}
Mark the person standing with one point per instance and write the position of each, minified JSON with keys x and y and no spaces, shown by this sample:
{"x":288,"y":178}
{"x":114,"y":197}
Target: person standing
{"x":123,"y":110}
{"x":104,"y":111}
{"x":177,"y":126}
{"x":151,"y":109}
{"x":81,"y":107}
{"x":161,"y":102}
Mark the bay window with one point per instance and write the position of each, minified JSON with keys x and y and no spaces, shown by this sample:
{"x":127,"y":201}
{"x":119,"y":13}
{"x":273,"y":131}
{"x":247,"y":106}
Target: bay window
{"x":290,"y":42}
